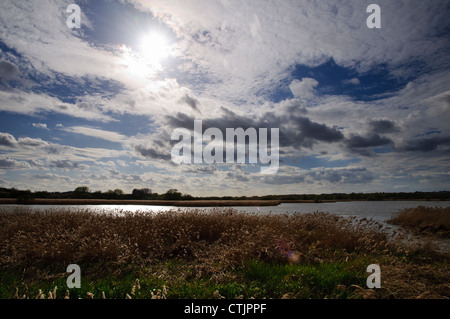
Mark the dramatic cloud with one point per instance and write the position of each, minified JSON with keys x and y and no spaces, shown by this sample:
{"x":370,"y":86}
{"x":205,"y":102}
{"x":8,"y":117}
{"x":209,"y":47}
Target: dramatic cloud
{"x":383,"y":126}
{"x":7,"y":140}
{"x":373,"y":140}
{"x":356,"y":108}
{"x":427,"y":144}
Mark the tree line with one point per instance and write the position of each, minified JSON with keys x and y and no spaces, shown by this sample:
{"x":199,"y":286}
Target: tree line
{"x":84,"y":192}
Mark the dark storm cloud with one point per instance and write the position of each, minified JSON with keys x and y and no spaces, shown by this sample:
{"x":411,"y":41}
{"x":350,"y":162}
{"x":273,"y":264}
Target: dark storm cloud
{"x":363,"y":145}
{"x":383,"y":126}
{"x":373,"y":140}
{"x":426,"y":144}
{"x":305,"y":133}
{"x":296,"y":132}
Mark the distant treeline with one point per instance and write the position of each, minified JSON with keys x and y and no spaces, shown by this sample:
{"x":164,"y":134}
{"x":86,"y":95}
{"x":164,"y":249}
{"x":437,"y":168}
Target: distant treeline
{"x":83,"y":192}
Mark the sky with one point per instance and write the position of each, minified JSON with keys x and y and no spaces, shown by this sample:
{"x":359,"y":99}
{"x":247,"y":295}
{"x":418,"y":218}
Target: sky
{"x":358,"y":109}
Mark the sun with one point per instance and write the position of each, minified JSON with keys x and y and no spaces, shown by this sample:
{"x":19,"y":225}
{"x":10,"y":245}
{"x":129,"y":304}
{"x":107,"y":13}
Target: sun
{"x":154,"y":48}
{"x":145,"y":60}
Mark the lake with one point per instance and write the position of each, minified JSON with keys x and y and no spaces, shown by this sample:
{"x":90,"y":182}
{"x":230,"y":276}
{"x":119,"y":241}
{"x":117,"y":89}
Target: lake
{"x":378,"y":210}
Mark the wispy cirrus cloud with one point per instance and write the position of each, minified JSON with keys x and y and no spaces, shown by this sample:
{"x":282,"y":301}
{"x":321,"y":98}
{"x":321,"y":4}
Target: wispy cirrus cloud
{"x":97,"y":133}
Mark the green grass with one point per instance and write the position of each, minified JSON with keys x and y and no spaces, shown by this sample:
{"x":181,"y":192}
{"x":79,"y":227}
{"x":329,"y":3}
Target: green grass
{"x":303,"y":281}
{"x":255,"y":279}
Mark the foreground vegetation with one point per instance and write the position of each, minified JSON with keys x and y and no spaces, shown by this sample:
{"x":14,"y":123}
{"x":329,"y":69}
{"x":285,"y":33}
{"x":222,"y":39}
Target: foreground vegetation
{"x":424,"y":220}
{"x":216,"y":254}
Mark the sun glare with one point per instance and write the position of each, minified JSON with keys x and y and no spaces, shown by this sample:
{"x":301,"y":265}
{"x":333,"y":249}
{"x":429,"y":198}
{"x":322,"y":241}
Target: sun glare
{"x":153,"y":48}
{"x":145,"y":60}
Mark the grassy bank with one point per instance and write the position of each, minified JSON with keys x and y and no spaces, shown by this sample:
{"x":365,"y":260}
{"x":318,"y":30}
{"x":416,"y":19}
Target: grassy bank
{"x":217,"y":254}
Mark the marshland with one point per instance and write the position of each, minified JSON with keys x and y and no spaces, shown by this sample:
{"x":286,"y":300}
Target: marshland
{"x":222,"y":253}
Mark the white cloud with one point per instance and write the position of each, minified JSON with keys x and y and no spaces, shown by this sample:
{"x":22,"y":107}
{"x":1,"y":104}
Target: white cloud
{"x":40,"y":125}
{"x":35,"y":103}
{"x":121,"y":163}
{"x":304,"y":88}
{"x":54,"y":46}
{"x":98,"y":133}
{"x":245,"y":47}
{"x":354,"y":81}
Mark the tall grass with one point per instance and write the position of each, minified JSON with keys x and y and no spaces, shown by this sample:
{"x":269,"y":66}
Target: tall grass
{"x":425,"y":220}
{"x":218,"y":236}
{"x":197,"y":251}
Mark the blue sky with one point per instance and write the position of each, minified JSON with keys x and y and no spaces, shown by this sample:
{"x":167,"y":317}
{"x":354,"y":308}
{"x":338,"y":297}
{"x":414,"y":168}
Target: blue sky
{"x":358,"y":109}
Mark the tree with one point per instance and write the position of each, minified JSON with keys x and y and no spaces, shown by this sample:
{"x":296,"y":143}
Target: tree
{"x":172,"y":194}
{"x":82,"y":189}
{"x":118,"y":192}
{"x":141,"y":193}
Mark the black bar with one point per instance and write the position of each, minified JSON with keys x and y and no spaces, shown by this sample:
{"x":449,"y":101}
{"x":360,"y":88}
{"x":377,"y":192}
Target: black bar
{"x":232,"y":308}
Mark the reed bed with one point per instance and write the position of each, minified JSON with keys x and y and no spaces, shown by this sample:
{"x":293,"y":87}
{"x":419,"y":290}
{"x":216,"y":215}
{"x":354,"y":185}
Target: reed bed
{"x":209,"y":248}
{"x":219,"y":235}
{"x":424,"y":220}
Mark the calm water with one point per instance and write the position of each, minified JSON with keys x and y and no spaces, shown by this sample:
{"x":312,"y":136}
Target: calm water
{"x":377,"y":210}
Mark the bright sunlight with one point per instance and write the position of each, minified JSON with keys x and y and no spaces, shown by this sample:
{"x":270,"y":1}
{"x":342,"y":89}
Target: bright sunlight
{"x":145,"y":61}
{"x":153,"y":48}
